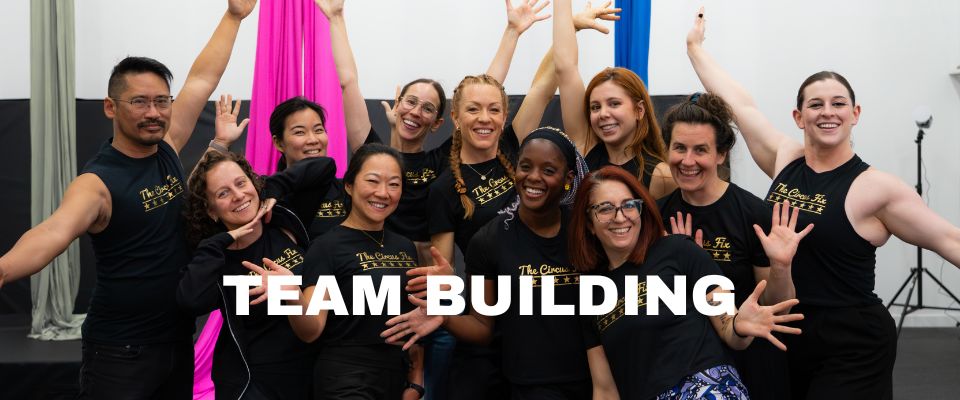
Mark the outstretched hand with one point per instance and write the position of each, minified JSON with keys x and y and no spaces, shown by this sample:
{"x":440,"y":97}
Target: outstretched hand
{"x":522,"y":17}
{"x":330,"y":8}
{"x":684,"y":226}
{"x":752,"y":319}
{"x":696,"y":36}
{"x":590,"y":17}
{"x":415,"y":322}
{"x":269,"y":269}
{"x":391,"y":111}
{"x":417,"y":285}
{"x":225,"y":125}
{"x":240,"y":8}
{"x":781,"y":244}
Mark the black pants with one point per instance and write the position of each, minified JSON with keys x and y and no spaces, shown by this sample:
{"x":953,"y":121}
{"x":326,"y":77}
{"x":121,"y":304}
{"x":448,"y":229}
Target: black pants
{"x":843,"y":353}
{"x":476,"y":373}
{"x":336,"y":380}
{"x":763,"y":369}
{"x":155,"y":371}
{"x":582,"y":390}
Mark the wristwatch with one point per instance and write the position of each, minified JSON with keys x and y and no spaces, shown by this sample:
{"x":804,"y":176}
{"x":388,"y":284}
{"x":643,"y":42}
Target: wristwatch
{"x":420,"y":390}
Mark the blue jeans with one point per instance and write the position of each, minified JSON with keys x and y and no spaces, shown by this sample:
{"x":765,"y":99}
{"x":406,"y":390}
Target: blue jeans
{"x":437,"y":354}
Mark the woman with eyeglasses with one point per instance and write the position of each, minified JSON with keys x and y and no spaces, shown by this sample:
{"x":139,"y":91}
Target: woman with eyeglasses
{"x":256,"y":355}
{"x":543,"y":356}
{"x":612,"y":119}
{"x":700,"y":135}
{"x":856,"y":207}
{"x":616,"y":231}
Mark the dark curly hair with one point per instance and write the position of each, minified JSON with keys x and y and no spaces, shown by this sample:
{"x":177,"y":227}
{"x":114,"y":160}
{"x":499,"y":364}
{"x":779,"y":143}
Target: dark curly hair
{"x":199,"y":224}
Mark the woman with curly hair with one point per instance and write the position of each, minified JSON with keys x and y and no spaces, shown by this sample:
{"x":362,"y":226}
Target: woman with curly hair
{"x":256,"y":355}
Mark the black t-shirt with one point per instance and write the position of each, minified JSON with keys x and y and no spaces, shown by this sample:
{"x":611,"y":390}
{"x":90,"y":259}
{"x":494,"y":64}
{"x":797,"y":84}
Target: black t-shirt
{"x":489,"y":195}
{"x":420,"y":170}
{"x":649,"y":354}
{"x":834,"y":265}
{"x":141,"y":251}
{"x":344,"y":253}
{"x":537,"y":349}
{"x":598,"y":158}
{"x":333,"y":210}
{"x":728,"y":235}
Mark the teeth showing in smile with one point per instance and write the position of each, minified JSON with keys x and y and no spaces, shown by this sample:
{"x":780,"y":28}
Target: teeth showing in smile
{"x":242,"y":207}
{"x":689,"y":172}
{"x":312,"y":152}
{"x":620,"y":231}
{"x":534,"y":192}
{"x":608,"y":128}
{"x":410,"y":124}
{"x":483,"y":131}
{"x":827,"y":125}
{"x":377,"y":205}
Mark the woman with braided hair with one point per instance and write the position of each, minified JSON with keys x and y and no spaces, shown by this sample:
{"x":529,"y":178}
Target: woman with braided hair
{"x":554,"y":366}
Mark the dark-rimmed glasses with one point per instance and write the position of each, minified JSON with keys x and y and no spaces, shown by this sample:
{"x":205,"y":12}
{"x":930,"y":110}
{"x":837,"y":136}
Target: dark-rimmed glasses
{"x":143,"y":103}
{"x":606,"y":211}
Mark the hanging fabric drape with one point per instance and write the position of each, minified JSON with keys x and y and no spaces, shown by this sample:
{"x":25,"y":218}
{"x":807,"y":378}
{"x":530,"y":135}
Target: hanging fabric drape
{"x":293,"y":58}
{"x":632,"y":37}
{"x":53,"y":162}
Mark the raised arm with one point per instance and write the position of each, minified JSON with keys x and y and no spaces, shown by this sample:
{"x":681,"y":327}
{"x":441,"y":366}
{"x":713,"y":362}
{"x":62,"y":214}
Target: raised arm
{"x":205,"y":73}
{"x":565,"y":61}
{"x":780,"y":246}
{"x":545,"y":81}
{"x":354,"y":107}
{"x":85,"y":207}
{"x":604,"y":387}
{"x":519,"y":19}
{"x":770,"y":148}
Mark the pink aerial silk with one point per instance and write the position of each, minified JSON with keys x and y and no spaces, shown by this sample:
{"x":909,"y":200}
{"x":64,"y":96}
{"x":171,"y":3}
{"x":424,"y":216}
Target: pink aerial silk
{"x":287,"y":29}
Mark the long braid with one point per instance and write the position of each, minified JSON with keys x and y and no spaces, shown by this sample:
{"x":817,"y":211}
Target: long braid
{"x":461,"y":187}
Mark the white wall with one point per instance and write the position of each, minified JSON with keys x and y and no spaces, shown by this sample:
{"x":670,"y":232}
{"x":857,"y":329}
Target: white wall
{"x":896,"y":54}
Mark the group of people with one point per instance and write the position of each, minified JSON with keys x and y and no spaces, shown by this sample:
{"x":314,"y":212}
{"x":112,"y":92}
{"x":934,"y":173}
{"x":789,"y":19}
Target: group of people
{"x":611,"y":194}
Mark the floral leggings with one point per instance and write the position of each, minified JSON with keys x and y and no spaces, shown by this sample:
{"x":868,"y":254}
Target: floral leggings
{"x":721,"y":383}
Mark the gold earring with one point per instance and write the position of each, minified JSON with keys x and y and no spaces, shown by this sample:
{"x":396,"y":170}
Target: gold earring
{"x":566,"y":187}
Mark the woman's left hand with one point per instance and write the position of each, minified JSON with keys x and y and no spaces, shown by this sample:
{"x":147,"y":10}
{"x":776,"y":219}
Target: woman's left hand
{"x":752,"y":319}
{"x":270,"y":268}
{"x":415,"y":322}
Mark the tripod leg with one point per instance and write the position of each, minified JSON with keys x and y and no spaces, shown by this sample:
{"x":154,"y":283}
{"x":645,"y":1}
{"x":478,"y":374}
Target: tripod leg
{"x":907,"y":309}
{"x":942,"y":286}
{"x":904,"y":285}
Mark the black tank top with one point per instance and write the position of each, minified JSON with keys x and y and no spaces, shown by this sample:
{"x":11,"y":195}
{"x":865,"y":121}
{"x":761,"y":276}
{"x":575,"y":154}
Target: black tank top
{"x":598,"y":158}
{"x":141,"y":251}
{"x":834,"y":266}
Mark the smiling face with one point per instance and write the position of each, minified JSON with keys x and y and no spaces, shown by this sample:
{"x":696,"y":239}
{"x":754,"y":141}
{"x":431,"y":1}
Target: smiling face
{"x":145,"y":127}
{"x":231,"y":196}
{"x":375,"y":191}
{"x":304,"y":136}
{"x":693,"y":156}
{"x":541,"y":175}
{"x":827,"y":114}
{"x":417,"y":111}
{"x":614,"y":115}
{"x":480,"y":115}
{"x":619,"y":236}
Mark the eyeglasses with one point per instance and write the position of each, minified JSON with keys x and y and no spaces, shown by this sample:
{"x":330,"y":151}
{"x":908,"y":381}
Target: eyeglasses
{"x":143,"y":103}
{"x":409,"y":102}
{"x":606,"y":212}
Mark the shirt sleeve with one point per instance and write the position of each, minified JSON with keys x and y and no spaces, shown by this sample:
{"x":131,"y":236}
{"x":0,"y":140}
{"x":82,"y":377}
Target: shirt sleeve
{"x":444,"y":215}
{"x":318,"y":261}
{"x":478,"y":258}
{"x":197,"y":292}
{"x":302,"y":186}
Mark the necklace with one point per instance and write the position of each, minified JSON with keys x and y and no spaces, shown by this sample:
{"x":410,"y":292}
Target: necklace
{"x":483,"y":177}
{"x":379,"y":242}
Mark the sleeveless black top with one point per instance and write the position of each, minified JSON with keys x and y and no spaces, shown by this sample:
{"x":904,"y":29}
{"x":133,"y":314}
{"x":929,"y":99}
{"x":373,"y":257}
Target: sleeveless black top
{"x":834,"y":266}
{"x":141,"y":251}
{"x":598,"y":158}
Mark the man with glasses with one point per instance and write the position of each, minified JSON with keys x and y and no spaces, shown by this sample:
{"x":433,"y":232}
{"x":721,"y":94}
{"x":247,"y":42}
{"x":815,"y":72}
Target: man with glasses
{"x":136,"y":343}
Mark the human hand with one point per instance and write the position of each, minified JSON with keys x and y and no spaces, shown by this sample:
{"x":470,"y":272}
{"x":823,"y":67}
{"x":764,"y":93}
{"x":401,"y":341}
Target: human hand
{"x":781,"y":244}
{"x":590,"y":17}
{"x":330,"y":8}
{"x":391,"y":111}
{"x":269,"y":269}
{"x":755,"y":320}
{"x":684,"y":226}
{"x":244,"y":230}
{"x":417,"y":286}
{"x":240,"y":8}
{"x":226,"y":130}
{"x":415,"y":322}
{"x":522,"y":17}
{"x":696,"y":36}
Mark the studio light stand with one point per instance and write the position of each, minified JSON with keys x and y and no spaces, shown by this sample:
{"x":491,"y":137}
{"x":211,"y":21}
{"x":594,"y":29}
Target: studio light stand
{"x":923,"y":120}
